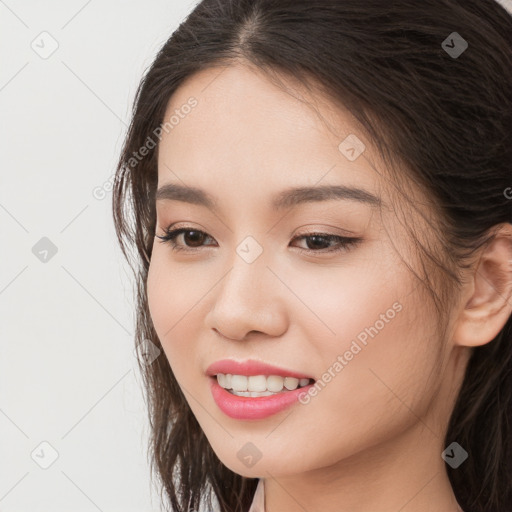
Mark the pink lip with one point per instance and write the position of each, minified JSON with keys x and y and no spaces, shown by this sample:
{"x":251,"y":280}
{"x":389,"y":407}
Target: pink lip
{"x":251,"y":367}
{"x":248,"y":408}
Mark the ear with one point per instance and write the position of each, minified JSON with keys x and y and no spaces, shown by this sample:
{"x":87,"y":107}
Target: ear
{"x":487,"y":303}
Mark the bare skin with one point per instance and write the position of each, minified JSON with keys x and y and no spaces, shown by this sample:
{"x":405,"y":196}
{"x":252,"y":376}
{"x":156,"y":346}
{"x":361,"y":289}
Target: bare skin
{"x":371,"y":439}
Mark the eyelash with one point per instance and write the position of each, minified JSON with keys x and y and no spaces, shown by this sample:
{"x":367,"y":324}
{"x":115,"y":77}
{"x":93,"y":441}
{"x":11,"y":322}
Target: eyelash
{"x":345,"y":242}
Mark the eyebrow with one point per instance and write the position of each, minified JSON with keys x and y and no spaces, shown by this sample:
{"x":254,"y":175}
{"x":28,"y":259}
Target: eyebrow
{"x":285,"y":199}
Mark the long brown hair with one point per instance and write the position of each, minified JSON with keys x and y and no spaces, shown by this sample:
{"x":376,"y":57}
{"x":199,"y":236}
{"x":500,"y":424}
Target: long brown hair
{"x":447,"y":117}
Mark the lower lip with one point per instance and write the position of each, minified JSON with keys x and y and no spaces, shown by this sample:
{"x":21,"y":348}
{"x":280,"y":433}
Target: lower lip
{"x":249,"y":408}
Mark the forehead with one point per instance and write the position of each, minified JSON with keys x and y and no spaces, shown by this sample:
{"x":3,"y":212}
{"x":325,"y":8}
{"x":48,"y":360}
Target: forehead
{"x":248,"y":129}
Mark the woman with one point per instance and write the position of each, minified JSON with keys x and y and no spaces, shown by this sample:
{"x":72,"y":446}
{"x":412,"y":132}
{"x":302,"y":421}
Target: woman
{"x":319,"y":195}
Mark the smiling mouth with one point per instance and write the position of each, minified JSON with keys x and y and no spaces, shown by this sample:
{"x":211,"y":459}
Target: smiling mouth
{"x":259,"y":385}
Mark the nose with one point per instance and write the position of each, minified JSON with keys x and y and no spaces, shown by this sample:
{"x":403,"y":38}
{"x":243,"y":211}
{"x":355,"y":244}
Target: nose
{"x":248,"y":299}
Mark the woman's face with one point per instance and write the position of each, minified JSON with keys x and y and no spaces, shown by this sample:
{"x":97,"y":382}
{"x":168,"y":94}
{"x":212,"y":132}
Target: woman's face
{"x":258,"y":286}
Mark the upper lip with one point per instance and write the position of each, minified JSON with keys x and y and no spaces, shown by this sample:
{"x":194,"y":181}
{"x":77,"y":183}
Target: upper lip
{"x":251,"y":367}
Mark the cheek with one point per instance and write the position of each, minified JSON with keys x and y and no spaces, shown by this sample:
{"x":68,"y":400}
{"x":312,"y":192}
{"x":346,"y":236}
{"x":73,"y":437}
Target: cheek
{"x":355,"y":299}
{"x":165,"y":303}
{"x":170,"y":294}
{"x":158,"y":293}
{"x":375,"y":338}
{"x":382,"y":364}
{"x":176,"y":309}
{"x":379,"y":366}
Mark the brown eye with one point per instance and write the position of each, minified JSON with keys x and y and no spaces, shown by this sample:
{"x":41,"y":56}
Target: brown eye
{"x":317,"y":242}
{"x":193,"y":238}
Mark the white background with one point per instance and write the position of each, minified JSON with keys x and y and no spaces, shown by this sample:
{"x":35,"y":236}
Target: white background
{"x":68,"y":374}
{"x":67,"y":370}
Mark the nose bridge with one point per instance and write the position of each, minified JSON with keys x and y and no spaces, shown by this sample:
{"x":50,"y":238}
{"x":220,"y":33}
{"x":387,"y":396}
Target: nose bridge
{"x":247,"y":297}
{"x":247,"y":280}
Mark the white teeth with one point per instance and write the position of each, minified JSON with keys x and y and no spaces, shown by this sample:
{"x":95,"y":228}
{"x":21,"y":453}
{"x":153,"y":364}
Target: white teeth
{"x":239,"y":383}
{"x":259,"y":385}
{"x":292,"y":383}
{"x":252,"y":394}
{"x":275,"y":383}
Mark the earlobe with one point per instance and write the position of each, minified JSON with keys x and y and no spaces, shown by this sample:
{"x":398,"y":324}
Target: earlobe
{"x":485,"y":312}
